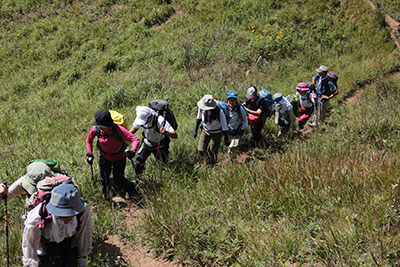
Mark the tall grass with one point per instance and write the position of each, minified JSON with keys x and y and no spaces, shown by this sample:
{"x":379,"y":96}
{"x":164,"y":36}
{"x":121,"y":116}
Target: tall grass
{"x":329,"y":198}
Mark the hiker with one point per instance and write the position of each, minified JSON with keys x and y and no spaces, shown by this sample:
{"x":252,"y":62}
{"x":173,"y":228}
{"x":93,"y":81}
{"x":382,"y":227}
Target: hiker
{"x":156,"y":136}
{"x":237,"y":123}
{"x":255,"y":105}
{"x":326,"y":89}
{"x":213,"y":127}
{"x":306,"y":104}
{"x":112,"y":151}
{"x":36,"y":171}
{"x":58,"y":233}
{"x":284,"y":115}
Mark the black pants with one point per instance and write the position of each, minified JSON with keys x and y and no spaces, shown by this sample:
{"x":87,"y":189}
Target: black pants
{"x":145,"y":151}
{"x":255,"y":135}
{"x":59,"y":254}
{"x":118,"y":169}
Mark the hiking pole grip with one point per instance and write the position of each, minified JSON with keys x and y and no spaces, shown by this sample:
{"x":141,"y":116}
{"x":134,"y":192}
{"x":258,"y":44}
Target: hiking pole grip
{"x":6,"y":224}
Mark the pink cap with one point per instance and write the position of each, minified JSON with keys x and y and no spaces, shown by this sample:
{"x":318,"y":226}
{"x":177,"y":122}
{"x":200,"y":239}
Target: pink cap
{"x":302,"y":87}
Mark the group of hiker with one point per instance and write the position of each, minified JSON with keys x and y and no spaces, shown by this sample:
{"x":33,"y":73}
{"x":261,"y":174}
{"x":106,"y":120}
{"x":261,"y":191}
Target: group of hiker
{"x":58,"y":225}
{"x":310,"y":98}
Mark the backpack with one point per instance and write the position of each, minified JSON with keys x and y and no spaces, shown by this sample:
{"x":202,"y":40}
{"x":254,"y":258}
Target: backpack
{"x":294,"y":100}
{"x":119,"y":119}
{"x":42,"y":193}
{"x":269,"y":107}
{"x":53,"y":164}
{"x":161,"y":107}
{"x":333,"y":77}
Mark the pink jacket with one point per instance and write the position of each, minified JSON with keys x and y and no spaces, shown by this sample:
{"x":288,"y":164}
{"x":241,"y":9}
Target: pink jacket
{"x":109,"y":144}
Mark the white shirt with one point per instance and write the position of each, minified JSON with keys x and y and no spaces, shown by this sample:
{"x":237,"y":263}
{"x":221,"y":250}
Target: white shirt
{"x":305,"y":100}
{"x":32,"y":235}
{"x":216,"y":125}
{"x":151,"y":132}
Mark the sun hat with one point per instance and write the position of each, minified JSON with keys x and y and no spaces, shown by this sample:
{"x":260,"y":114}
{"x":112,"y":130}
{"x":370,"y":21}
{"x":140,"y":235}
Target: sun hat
{"x":278,"y":97}
{"x":251,"y":92}
{"x":65,"y":201}
{"x":231,"y":94}
{"x":207,"y":103}
{"x":35,"y":172}
{"x":103,"y":118}
{"x":302,"y":87}
{"x":142,"y":115}
{"x":322,"y":68}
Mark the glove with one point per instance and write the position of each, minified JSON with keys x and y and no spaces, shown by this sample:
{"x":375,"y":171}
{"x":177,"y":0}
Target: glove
{"x":241,"y":132}
{"x":90,"y":158}
{"x":130,"y":154}
{"x":83,"y":262}
{"x":195,"y":135}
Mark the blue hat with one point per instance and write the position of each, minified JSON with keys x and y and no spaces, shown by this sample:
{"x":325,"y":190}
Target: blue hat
{"x":65,"y":201}
{"x":231,"y":94}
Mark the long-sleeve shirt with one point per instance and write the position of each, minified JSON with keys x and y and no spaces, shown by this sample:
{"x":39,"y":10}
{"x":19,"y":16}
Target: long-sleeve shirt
{"x":81,"y":237}
{"x":215,"y":126}
{"x":109,"y":144}
{"x":236,"y":120}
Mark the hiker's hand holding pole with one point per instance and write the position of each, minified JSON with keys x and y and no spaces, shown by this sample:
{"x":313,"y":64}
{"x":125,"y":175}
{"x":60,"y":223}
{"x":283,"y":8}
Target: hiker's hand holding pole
{"x":90,"y":158}
{"x":3,"y":189}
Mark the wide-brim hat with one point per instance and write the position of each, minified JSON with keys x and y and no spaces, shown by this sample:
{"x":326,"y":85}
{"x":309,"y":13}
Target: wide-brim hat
{"x":302,"y":87}
{"x":142,"y":115}
{"x":103,"y":118}
{"x":65,"y":201}
{"x":207,"y":103}
{"x":35,"y":172}
{"x":251,"y":92}
{"x":322,"y":68}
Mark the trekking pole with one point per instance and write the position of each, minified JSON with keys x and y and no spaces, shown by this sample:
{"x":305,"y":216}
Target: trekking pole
{"x":94,"y":181}
{"x":6,"y":223}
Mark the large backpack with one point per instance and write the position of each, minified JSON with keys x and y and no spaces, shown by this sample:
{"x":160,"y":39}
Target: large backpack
{"x":294,"y":100}
{"x":334,"y":77}
{"x":161,"y":107}
{"x":53,"y":164}
{"x":269,"y":102}
{"x":43,"y":189}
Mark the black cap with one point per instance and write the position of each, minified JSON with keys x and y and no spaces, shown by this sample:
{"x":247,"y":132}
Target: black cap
{"x":103,"y":118}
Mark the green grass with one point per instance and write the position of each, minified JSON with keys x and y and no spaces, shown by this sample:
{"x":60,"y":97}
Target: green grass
{"x":328,"y":198}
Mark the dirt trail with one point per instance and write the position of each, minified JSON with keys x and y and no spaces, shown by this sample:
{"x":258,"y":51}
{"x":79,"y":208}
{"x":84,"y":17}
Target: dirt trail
{"x":138,"y":256}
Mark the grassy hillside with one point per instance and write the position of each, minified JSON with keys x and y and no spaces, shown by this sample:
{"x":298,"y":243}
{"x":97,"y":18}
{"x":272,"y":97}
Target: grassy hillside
{"x":328,"y":198}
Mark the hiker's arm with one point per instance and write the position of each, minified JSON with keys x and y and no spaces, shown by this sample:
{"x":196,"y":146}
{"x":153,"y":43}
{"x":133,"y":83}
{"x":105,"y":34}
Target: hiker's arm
{"x":243,"y":114}
{"x":31,"y":239}
{"x":257,"y":112}
{"x":196,"y":127}
{"x":127,"y":135}
{"x":133,"y":130}
{"x":333,"y":89}
{"x":16,"y":188}
{"x":222,"y":119}
{"x":85,"y":232}
{"x":89,"y":140}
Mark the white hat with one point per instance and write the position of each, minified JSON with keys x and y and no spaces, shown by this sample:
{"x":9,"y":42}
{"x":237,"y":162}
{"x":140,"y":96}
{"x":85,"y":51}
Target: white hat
{"x":142,"y":115}
{"x":207,"y":103}
{"x":322,"y":68}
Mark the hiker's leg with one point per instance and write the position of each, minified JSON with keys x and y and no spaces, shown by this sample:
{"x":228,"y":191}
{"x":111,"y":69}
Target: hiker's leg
{"x":72,"y":258}
{"x":142,"y":154}
{"x":164,"y":150}
{"x":204,"y":140}
{"x":119,"y":178}
{"x":105,"y":171}
{"x":233,"y":146}
{"x":214,"y":146}
{"x":324,"y":108}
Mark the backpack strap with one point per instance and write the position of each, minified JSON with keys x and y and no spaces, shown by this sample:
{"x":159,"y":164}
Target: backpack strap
{"x":116,"y":136}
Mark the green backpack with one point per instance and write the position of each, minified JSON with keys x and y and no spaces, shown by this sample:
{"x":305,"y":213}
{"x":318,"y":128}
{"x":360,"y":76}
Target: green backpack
{"x":53,"y":164}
